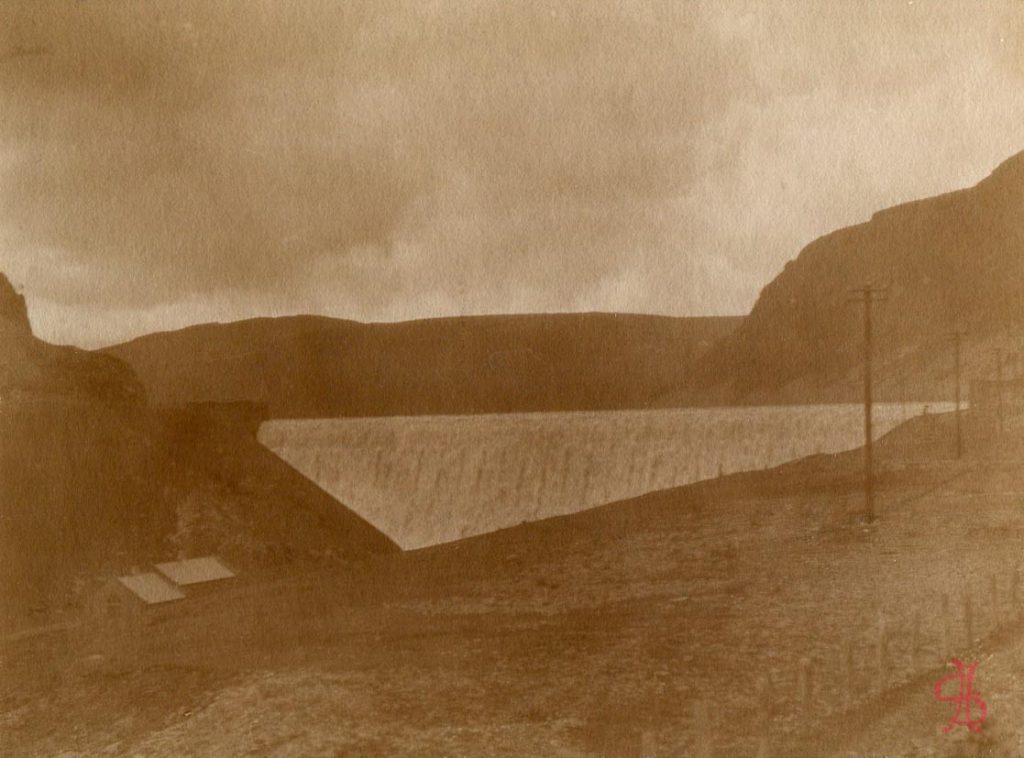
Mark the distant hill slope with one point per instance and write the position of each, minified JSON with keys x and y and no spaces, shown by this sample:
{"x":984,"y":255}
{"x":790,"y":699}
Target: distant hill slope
{"x":952,"y":261}
{"x":307,"y":366}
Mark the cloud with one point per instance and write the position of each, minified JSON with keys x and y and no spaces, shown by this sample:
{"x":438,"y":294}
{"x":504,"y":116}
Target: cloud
{"x":168,"y":154}
{"x":378,"y":159}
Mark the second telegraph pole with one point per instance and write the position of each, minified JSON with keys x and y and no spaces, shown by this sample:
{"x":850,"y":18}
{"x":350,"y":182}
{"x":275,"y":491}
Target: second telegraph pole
{"x":868,"y":295}
{"x":957,"y":336}
{"x":999,"y":389}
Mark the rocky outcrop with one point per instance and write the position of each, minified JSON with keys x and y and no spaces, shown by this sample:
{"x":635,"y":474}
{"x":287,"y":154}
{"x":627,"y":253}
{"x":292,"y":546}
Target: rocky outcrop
{"x":955,"y":261}
{"x":13,"y":311}
{"x":30,"y":367}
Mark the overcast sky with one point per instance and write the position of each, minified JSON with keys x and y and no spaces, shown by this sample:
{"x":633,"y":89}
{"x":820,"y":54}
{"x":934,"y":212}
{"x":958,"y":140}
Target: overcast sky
{"x":169,"y":163}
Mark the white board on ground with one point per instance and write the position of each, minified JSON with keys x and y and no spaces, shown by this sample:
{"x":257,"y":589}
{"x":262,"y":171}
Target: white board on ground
{"x":151,"y":588}
{"x":194,"y":570}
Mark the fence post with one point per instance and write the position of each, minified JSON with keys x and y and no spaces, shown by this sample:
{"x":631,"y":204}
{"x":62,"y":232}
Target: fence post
{"x":702,"y":731}
{"x":968,"y":618}
{"x":762,"y":691}
{"x":883,"y":654}
{"x":915,"y":641}
{"x":945,"y":643}
{"x":804,"y":685}
{"x":646,"y":744}
{"x":1014,"y":590}
{"x":847,"y":668}
{"x":993,"y":589}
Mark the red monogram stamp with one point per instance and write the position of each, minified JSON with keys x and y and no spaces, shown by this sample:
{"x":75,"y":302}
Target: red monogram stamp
{"x":970,"y":710}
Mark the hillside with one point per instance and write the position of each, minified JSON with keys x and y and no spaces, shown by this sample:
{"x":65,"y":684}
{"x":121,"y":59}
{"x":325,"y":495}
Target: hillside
{"x":31,"y":367}
{"x":308,"y":366}
{"x":950,"y":262}
{"x":94,"y":482}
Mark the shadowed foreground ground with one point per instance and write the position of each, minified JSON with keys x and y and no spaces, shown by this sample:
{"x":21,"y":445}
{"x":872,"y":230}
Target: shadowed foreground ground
{"x":724,"y":618}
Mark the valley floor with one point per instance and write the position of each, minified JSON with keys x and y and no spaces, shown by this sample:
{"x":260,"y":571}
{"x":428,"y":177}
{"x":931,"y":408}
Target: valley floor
{"x":752,"y":615}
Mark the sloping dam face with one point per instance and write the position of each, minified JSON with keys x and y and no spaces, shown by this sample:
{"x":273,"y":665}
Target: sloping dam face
{"x":423,"y":480}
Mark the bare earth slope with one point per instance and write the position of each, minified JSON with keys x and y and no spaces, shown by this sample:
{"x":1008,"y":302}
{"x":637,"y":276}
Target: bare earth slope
{"x":306,"y":366}
{"x":950,"y":262}
{"x":663,"y":626}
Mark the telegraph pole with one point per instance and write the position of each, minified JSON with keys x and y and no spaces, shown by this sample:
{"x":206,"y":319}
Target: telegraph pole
{"x":956,"y":337}
{"x":901,"y":373}
{"x":999,"y":388}
{"x":867,"y":295}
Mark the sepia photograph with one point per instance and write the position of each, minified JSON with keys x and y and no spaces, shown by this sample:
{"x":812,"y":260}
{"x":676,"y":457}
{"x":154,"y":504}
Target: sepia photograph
{"x":470,"y":378}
